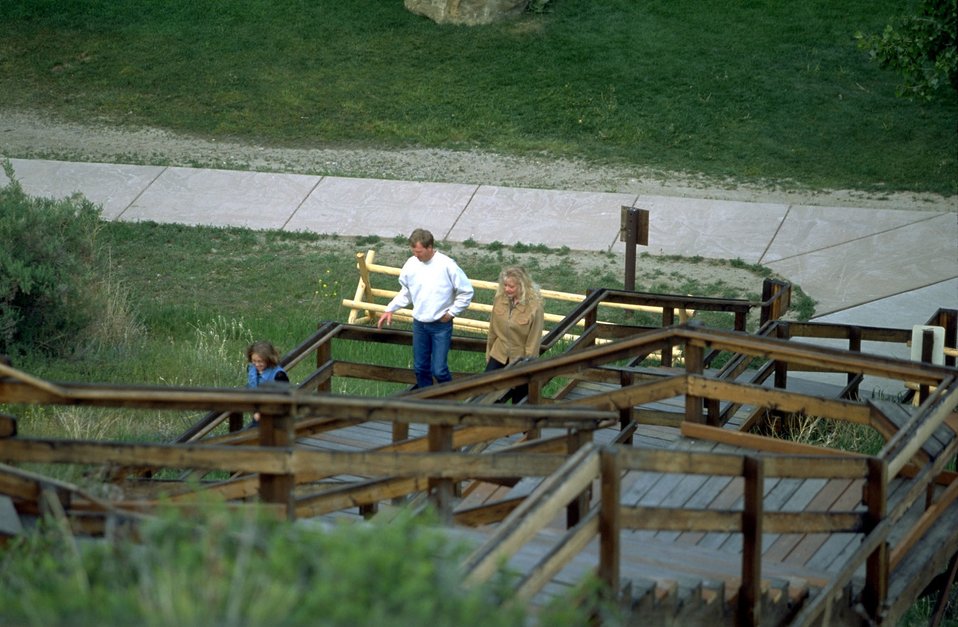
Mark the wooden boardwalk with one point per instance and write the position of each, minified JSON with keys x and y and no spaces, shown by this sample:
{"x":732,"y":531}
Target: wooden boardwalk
{"x":690,"y":569}
{"x":650,"y":476}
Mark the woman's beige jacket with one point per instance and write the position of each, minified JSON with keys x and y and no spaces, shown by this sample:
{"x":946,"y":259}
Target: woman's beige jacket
{"x":514,"y":332}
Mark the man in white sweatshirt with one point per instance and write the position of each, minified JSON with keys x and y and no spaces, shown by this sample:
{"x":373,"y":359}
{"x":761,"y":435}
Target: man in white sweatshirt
{"x":439,"y":291}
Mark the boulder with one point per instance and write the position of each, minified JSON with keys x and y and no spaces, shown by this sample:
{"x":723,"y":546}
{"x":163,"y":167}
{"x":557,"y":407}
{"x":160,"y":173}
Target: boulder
{"x":466,"y":12}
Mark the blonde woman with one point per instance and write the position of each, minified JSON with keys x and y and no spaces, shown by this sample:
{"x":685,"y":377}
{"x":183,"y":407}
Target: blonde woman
{"x":515,"y":327}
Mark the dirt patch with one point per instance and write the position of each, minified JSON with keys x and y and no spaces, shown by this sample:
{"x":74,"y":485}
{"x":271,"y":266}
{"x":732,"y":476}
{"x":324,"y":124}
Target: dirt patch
{"x":31,"y":136}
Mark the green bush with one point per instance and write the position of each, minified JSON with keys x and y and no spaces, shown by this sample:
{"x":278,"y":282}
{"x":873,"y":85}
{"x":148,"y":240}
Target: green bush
{"x":229,"y":568}
{"x":922,"y":47}
{"x":48,"y":268}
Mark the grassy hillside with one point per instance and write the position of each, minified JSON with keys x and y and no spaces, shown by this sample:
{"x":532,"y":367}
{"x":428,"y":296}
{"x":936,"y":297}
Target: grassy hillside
{"x":757,"y":91}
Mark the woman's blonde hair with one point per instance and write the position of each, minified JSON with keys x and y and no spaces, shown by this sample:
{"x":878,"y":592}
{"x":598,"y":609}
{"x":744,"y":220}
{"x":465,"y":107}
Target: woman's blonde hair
{"x":528,"y":291}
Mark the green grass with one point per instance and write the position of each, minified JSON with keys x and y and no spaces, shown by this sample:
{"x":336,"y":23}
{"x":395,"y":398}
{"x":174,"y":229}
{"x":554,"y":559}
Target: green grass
{"x":765,"y":91}
{"x":194,"y":297}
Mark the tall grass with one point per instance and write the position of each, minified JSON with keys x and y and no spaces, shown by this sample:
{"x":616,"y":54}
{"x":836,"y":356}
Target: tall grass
{"x":765,"y":90}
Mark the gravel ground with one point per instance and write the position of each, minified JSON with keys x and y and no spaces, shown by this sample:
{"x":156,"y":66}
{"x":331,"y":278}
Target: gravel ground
{"x":30,"y":135}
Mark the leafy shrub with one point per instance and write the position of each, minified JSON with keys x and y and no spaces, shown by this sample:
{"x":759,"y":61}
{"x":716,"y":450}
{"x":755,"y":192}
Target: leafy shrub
{"x":369,"y":240}
{"x":239,"y":568}
{"x":922,"y":47}
{"x":48,"y":264}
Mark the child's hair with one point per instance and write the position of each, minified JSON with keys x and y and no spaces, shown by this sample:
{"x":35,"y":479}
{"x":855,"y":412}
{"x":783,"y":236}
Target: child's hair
{"x":264,"y":349}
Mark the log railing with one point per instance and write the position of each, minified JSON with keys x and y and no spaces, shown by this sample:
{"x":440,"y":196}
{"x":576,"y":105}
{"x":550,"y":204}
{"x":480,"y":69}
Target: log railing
{"x":363,"y":305}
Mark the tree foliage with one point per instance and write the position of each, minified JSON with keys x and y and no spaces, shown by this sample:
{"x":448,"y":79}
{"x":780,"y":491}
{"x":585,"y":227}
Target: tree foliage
{"x":923,"y":48}
{"x":48,"y":262}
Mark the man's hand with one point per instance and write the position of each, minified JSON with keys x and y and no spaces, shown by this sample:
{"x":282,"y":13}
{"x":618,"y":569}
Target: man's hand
{"x":387,"y":317}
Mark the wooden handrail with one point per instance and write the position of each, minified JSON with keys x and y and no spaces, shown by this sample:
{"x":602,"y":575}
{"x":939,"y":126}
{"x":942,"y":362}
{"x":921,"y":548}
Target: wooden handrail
{"x":366,"y":267}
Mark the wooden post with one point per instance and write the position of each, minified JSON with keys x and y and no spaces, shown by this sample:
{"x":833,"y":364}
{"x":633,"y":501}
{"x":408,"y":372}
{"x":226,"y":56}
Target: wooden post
{"x":609,"y":521}
{"x":750,"y":597}
{"x":854,"y":344}
{"x":630,"y":243}
{"x":324,"y":353}
{"x":8,"y":426}
{"x":776,"y":297}
{"x":634,"y":231}
{"x":668,"y":319}
{"x":364,"y":290}
{"x":876,"y":567}
{"x":400,"y":431}
{"x":626,"y":414}
{"x":780,"y":421}
{"x":781,"y":374}
{"x":534,"y":397}
{"x":440,"y":441}
{"x":713,"y":412}
{"x":927,"y":356}
{"x":740,"y":320}
{"x":948,"y":320}
{"x":590,"y":319}
{"x":693,"y":365}
{"x":277,"y":430}
{"x":579,"y":506}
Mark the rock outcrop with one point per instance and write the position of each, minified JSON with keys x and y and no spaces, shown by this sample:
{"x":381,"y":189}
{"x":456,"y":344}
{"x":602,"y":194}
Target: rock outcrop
{"x":466,"y":12}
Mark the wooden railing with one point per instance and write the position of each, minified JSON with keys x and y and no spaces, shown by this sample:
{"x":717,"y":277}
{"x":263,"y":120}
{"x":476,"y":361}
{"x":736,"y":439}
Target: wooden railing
{"x":584,"y":316}
{"x":369,"y":300}
{"x":610,"y":517}
{"x":275,"y":465}
{"x":751,"y":521}
{"x":897,"y":457}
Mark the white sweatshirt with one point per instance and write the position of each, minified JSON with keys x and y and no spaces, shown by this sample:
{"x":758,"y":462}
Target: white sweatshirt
{"x":434,"y":288}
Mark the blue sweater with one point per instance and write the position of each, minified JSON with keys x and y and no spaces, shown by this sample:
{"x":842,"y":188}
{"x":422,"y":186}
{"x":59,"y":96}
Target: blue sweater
{"x":254,"y":378}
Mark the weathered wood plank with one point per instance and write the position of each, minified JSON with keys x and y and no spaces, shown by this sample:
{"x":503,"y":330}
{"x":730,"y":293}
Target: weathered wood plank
{"x":783,"y":400}
{"x":552,"y":495}
{"x":487,"y":513}
{"x":899,"y":415}
{"x":810,"y":544}
{"x":728,"y":497}
{"x":273,"y":460}
{"x":703,"y":490}
{"x":823,"y":500}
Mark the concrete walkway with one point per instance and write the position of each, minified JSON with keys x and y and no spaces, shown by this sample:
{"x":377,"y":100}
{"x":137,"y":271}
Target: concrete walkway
{"x":868,"y":266}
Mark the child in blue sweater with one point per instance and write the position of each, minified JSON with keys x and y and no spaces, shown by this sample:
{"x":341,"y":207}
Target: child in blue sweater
{"x":263,"y":367}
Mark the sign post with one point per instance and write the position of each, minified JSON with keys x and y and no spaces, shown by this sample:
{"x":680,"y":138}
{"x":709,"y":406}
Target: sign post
{"x":634,"y":231}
